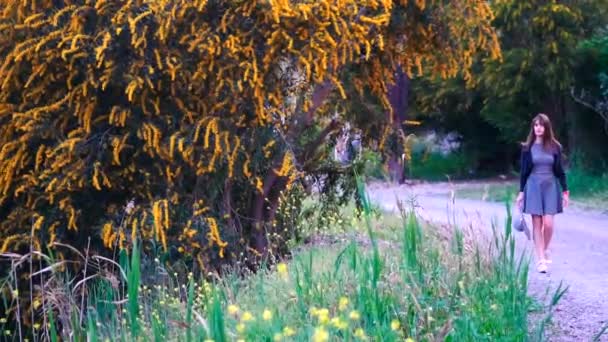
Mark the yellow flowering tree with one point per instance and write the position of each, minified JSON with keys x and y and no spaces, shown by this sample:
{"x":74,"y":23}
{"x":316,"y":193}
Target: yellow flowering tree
{"x":183,"y":121}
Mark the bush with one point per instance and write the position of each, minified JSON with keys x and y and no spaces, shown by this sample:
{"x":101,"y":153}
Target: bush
{"x":582,"y":182}
{"x":184,"y":122}
{"x":435,"y":166}
{"x":372,"y":166}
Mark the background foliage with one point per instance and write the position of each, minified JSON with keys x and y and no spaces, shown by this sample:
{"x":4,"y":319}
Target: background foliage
{"x":550,"y":51}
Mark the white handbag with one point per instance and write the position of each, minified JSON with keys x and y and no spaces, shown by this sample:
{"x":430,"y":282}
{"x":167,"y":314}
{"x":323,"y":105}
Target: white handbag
{"x":519,"y":222}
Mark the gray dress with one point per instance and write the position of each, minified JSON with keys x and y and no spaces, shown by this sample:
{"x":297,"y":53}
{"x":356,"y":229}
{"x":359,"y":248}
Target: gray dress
{"x":542,"y":195}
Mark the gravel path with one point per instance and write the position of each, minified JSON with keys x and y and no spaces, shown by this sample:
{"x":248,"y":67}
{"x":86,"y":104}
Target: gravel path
{"x":579,"y":250}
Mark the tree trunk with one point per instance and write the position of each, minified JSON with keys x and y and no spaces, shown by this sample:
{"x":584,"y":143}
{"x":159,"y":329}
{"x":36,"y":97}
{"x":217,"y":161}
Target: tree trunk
{"x":398,"y":97}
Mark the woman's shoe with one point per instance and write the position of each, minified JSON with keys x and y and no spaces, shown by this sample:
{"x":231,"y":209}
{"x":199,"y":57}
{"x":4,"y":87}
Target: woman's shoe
{"x":541,"y":266}
{"x":548,"y":258}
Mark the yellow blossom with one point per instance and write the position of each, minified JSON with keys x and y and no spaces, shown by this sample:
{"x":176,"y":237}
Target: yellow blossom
{"x":323,"y":315}
{"x":247,"y":316}
{"x":338,"y":323}
{"x":267,"y":315}
{"x":409,"y":339}
{"x":278,"y":337}
{"x":354,"y":315}
{"x":282,"y":269}
{"x":343,"y":303}
{"x":233,"y":309}
{"x":359,"y":333}
{"x":287,"y":331}
{"x":3,"y":320}
{"x":395,"y":325}
{"x":240,"y":327}
{"x":321,"y":335}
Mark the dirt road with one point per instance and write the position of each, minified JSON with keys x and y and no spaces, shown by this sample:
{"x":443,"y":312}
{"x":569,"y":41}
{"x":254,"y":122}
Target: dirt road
{"x":579,"y":251}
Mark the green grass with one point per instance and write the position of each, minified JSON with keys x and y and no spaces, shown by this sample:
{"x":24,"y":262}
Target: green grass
{"x":494,"y":192}
{"x":591,"y":190}
{"x":432,"y":166}
{"x":395,"y":280}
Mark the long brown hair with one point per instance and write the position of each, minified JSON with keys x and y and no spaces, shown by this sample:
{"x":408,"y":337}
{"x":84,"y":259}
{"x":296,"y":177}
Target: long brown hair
{"x":550,"y":143}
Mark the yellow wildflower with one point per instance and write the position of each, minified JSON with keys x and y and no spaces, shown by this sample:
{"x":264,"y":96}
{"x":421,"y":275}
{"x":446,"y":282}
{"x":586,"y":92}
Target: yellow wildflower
{"x":313,"y":311}
{"x":343,"y":303}
{"x":278,"y":337}
{"x":323,"y":315}
{"x":395,"y":325}
{"x":409,"y":339}
{"x":209,"y":340}
{"x":354,"y":315}
{"x":3,"y":320}
{"x":282,"y":269}
{"x":360,"y":334}
{"x":321,"y":335}
{"x":267,"y":315}
{"x":240,"y":327}
{"x":339,"y":323}
{"x":233,"y":309}
{"x":247,"y":316}
{"x":287,"y":331}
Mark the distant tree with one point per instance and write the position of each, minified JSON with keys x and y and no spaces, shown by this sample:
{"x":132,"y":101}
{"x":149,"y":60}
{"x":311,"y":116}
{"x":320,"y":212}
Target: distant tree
{"x":595,"y":97}
{"x":539,"y":40}
{"x":540,"y":64}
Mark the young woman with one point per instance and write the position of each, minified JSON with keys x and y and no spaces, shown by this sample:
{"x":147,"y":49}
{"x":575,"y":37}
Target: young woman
{"x":543,"y":191}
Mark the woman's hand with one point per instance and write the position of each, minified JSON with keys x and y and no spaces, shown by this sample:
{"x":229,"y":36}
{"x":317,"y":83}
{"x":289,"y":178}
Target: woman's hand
{"x":520,"y":200}
{"x":565,"y":198}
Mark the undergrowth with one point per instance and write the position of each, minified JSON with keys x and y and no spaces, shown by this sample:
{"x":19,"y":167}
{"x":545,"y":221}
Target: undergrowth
{"x":417,"y":284}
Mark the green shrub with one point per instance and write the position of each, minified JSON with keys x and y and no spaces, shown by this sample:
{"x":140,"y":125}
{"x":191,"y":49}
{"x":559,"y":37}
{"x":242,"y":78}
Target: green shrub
{"x":372,"y":167}
{"x":434,"y":166}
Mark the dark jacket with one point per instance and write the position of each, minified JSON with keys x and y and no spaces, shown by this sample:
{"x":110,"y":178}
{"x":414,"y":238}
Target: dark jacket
{"x":527,"y":165}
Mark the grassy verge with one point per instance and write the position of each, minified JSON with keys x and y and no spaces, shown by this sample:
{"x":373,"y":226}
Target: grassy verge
{"x":414,"y":284}
{"x":494,"y":192}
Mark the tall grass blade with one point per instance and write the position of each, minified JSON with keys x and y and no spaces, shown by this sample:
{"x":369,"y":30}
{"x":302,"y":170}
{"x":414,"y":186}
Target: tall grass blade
{"x":91,"y":329}
{"x":53,"y":327}
{"x":134,"y":276}
{"x":218,"y":328}
{"x":596,"y":338}
{"x":559,"y":293}
{"x":189,"y":310}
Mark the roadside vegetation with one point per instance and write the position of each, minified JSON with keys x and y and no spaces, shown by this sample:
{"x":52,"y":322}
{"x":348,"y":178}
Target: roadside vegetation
{"x":360,"y":276}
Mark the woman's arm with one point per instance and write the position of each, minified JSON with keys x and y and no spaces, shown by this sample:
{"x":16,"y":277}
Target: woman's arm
{"x":523,"y":170}
{"x":558,"y":169}
{"x":523,"y":177}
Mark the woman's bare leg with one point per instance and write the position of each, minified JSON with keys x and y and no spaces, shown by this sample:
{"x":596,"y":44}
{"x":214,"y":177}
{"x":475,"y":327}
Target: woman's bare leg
{"x":539,"y":239}
{"x":547,"y":231}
